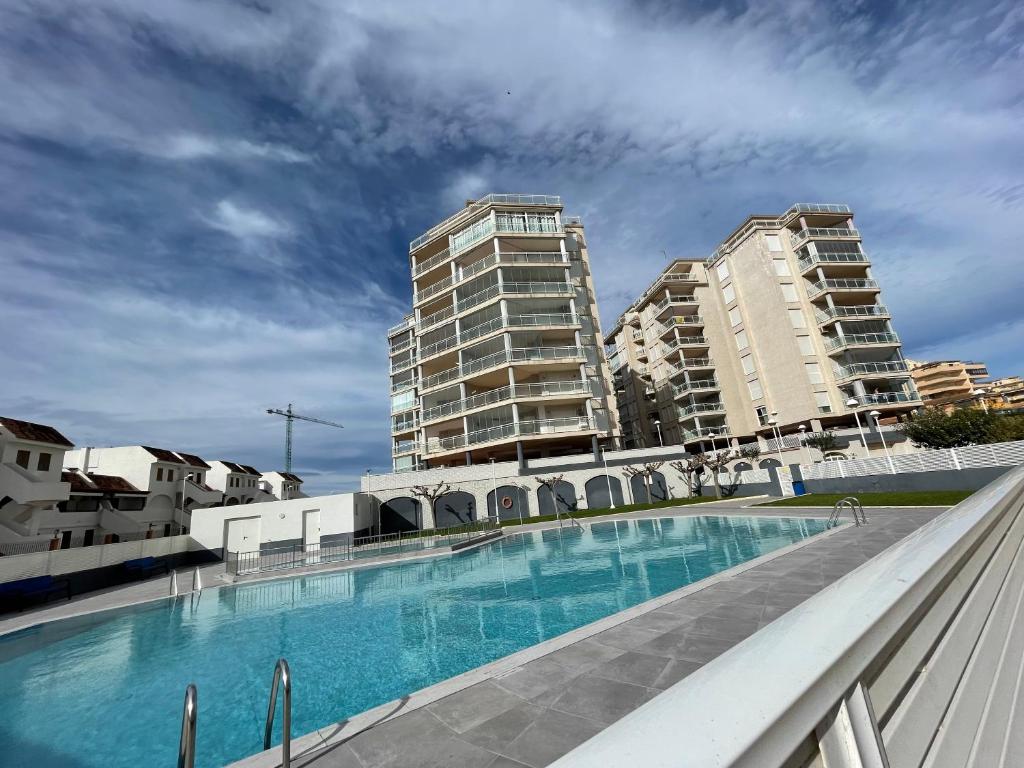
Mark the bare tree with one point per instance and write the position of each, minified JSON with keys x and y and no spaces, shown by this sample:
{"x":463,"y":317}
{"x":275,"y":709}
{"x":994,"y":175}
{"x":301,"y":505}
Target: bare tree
{"x":431,"y":494}
{"x":647,"y":472}
{"x":552,"y":483}
{"x":692,"y":471}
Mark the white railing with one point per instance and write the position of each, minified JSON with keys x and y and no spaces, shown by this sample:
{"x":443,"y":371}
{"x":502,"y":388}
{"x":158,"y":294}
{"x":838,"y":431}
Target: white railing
{"x":886,"y":398}
{"x":669,"y":301}
{"x":402,"y":346}
{"x":690,"y":410}
{"x":860,"y":339}
{"x":860,"y":310}
{"x":492,"y":199}
{"x":440,"y":316}
{"x":428,"y":264}
{"x":968,"y":457}
{"x":841,"y":284}
{"x":405,"y":446}
{"x":502,"y":394}
{"x":433,"y":290}
{"x":683,"y":341}
{"x":913,"y":659}
{"x":62,"y":561}
{"x":690,"y":363}
{"x":407,"y":322}
{"x":401,"y":365}
{"x":511,"y":429}
{"x":851,"y":257}
{"x":821,"y":232}
{"x":866,"y":369}
{"x":696,"y":385}
{"x":815,"y":208}
{"x":706,"y":433}
{"x":498,"y":358}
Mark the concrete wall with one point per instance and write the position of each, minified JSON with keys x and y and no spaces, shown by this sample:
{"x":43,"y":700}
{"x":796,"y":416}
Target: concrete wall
{"x":943,"y":480}
{"x":281,"y":522}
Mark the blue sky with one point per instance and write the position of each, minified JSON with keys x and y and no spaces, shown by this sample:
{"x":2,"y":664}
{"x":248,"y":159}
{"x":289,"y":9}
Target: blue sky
{"x":206,"y":206}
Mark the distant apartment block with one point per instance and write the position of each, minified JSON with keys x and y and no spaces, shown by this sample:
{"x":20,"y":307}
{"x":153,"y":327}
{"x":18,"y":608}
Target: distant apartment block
{"x":500,"y":357}
{"x":1005,"y":393}
{"x":947,"y":382}
{"x":781,"y":327}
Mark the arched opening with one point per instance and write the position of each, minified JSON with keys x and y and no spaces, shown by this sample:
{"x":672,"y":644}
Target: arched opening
{"x":834,"y":456}
{"x":596,"y":490}
{"x":564,"y":497}
{"x":765,"y":463}
{"x":639,"y":486}
{"x":231,"y":502}
{"x":455,"y":508}
{"x":743,"y":466}
{"x":402,"y":513}
{"x":513,"y":503}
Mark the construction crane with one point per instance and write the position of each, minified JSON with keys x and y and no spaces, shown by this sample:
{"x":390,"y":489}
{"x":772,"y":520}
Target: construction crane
{"x":289,"y":417}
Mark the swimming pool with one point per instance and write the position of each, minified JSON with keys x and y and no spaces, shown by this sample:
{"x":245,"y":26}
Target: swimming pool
{"x":106,"y":689}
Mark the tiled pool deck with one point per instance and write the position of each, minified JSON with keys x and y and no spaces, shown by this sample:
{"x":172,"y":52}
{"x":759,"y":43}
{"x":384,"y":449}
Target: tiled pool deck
{"x":538,"y":704}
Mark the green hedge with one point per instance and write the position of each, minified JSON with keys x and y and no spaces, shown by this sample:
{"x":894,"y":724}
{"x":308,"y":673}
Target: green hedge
{"x":618,"y":510}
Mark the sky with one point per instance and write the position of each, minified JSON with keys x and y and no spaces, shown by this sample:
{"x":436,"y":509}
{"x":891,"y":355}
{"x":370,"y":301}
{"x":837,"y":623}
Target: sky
{"x":206,"y":206}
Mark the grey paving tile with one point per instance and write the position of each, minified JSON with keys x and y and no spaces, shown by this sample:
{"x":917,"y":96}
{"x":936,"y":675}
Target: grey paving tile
{"x":637,"y":668}
{"x":626,"y":636}
{"x":550,"y":737}
{"x":662,"y":621}
{"x":738,"y":609}
{"x":597,"y":698}
{"x":690,"y":646}
{"x":497,"y":733}
{"x":505,"y":762}
{"x":734,"y":628}
{"x":474,"y":705}
{"x":537,"y":677}
{"x":416,"y":740}
{"x":584,"y":655}
{"x":676,"y":670}
{"x":338,"y":756}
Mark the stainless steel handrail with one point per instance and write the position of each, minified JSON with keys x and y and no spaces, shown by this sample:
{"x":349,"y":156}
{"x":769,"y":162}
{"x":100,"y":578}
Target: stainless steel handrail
{"x":187,"y":744}
{"x":282,"y":676}
{"x":853,"y":504}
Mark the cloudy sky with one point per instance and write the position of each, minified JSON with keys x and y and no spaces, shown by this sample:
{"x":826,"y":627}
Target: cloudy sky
{"x":206,"y":206}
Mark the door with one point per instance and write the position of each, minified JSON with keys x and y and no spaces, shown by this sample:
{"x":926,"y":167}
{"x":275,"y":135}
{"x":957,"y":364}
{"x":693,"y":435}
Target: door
{"x":89,"y":536}
{"x":311,"y":534}
{"x":65,"y":540}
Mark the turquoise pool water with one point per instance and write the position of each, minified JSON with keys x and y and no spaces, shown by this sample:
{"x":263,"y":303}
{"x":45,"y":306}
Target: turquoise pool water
{"x":106,"y":690}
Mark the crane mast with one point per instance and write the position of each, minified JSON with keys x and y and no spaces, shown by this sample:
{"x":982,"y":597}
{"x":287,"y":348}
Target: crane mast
{"x":289,"y":417}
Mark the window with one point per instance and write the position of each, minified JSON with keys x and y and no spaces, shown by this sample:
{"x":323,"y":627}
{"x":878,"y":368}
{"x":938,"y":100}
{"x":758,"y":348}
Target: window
{"x":170,"y":475}
{"x":734,"y":316}
{"x":756,"y":393}
{"x":806,"y":347}
{"x":741,"y":340}
{"x":824,"y":406}
{"x":43,"y":464}
{"x":789,"y":292}
{"x":814,"y":373}
{"x":762,"y":415}
{"x":22,"y":459}
{"x":774,"y":243}
{"x":159,"y":473}
{"x":723,"y":270}
{"x":781,"y":267}
{"x":748,"y":364}
{"x":796,"y":318}
{"x":729,"y":294}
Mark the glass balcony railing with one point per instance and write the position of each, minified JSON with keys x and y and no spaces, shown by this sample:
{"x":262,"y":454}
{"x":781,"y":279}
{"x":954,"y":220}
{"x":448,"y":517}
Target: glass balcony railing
{"x":868,"y":369}
{"x":689,"y":364}
{"x":401,"y":365}
{"x":407,"y":322}
{"x":669,"y":301}
{"x":816,"y":208}
{"x":493,"y":199}
{"x":433,"y":290}
{"x":505,"y":431}
{"x":697,"y":385}
{"x":687,"y":411}
{"x":850,"y":257}
{"x":404,"y":425}
{"x":683,"y":341}
{"x":841,"y":284}
{"x":886,"y":398}
{"x":539,"y":288}
{"x":822,"y":233}
{"x":858,"y":311}
{"x":402,"y":346}
{"x":428,"y":264}
{"x":519,"y":355}
{"x":706,"y":433}
{"x":503,"y":394}
{"x":860,"y":340}
{"x":404,"y":446}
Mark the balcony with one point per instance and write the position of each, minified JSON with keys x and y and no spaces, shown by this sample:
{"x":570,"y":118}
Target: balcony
{"x":401,"y":365}
{"x":689,"y":411}
{"x":680,"y":321}
{"x":842,"y":284}
{"x":471,"y":210}
{"x":407,"y":322}
{"x":428,"y":321}
{"x":404,"y":446}
{"x":698,"y":385}
{"x":848,"y":257}
{"x":200,"y":493}
{"x":816,"y":208}
{"x":856,"y":312}
{"x":683,"y":341}
{"x":504,"y":394}
{"x":706,"y":433}
{"x":870,"y":370}
{"x":399,"y":386}
{"x":834,"y":344}
{"x":673,"y":301}
{"x":546,"y":289}
{"x":25,"y":487}
{"x":433,"y":290}
{"x":519,"y":355}
{"x":404,"y":425}
{"x":533,"y":428}
{"x":551,"y":258}
{"x":822,"y":233}
{"x":434,"y":261}
{"x":690,"y":364}
{"x":886,"y":398}
{"x":401,"y":346}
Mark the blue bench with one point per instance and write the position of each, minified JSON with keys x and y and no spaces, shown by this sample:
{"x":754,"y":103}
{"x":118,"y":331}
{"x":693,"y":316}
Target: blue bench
{"x":142,"y":567}
{"x":21,"y":592}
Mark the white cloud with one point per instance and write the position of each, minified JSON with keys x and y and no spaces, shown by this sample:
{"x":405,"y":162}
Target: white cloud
{"x":247,"y":224}
{"x":190,"y":146}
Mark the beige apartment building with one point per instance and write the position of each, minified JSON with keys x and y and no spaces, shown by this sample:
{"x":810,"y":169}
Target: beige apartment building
{"x":946,"y":382}
{"x":500,"y":357}
{"x":781,"y":327}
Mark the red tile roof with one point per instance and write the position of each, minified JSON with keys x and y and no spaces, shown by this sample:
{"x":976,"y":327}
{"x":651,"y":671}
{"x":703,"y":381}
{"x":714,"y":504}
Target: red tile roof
{"x":250,"y":470}
{"x":192,"y":460}
{"x":164,"y":455}
{"x":93,"y":483}
{"x":290,"y":476}
{"x":40,"y":433}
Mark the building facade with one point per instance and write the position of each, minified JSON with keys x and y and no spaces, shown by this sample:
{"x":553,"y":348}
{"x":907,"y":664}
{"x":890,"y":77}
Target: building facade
{"x":945,"y":382}
{"x":781,"y":328}
{"x":500,"y":357}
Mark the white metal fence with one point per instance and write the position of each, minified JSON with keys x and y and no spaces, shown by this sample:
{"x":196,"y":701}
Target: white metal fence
{"x":969,"y":457}
{"x":59,"y":561}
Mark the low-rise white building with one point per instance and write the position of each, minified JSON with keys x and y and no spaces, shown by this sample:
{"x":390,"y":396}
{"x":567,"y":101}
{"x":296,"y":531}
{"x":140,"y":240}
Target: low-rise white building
{"x":283,"y":485}
{"x":239,"y":483}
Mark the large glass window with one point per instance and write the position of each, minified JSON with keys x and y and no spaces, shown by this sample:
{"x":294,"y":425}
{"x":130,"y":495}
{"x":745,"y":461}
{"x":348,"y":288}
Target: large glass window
{"x":723,"y":270}
{"x":729,"y":293}
{"x":22,"y":459}
{"x":43,"y":464}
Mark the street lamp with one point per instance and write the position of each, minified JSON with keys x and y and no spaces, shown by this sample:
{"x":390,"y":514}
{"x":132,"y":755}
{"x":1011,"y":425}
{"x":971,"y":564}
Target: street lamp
{"x":494,"y":484}
{"x":604,"y":458}
{"x":803,"y":442}
{"x":657,"y":426}
{"x":773,"y":423}
{"x":852,"y":404}
{"x":714,"y":468}
{"x":874,"y":415}
{"x":980,"y":394}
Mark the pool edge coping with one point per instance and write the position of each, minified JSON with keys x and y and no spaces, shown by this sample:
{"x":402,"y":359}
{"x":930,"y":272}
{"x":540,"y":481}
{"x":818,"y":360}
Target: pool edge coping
{"x":339,"y":732}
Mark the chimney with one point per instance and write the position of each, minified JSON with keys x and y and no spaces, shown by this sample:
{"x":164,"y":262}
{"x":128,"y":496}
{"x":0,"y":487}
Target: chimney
{"x":85,"y":459}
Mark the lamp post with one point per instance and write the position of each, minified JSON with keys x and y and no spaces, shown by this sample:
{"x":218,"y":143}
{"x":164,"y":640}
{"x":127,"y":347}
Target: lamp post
{"x":773,"y":423}
{"x":803,"y":443}
{"x":714,"y":469}
{"x":980,"y":394}
{"x":852,"y":404}
{"x":657,"y":426}
{"x":494,"y":484}
{"x":604,"y":458}
{"x":874,"y":415}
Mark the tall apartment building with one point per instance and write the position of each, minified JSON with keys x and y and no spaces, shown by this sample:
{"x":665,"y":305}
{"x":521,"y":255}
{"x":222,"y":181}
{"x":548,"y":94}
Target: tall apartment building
{"x":500,"y":357}
{"x":945,"y":382}
{"x":780,"y":327}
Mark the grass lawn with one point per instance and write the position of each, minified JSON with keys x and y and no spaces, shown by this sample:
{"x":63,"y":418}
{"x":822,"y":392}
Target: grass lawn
{"x":618,"y":510}
{"x":892,"y":499}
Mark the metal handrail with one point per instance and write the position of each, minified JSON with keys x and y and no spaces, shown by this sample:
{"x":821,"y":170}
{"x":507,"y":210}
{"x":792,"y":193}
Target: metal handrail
{"x":189,"y":713}
{"x":853,"y":504}
{"x":283,"y":677}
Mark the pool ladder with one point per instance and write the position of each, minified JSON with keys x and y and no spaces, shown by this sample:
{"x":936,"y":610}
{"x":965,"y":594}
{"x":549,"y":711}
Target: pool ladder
{"x":853,"y":504}
{"x":190,"y":712}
